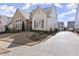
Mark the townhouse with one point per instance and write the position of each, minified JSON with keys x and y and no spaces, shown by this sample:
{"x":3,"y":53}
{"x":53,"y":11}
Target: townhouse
{"x":61,"y":26}
{"x":44,"y":19}
{"x":20,"y":21}
{"x":70,"y":25}
{"x":4,"y":20}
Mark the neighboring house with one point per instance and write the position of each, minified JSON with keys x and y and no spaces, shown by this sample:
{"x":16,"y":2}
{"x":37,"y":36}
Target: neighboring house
{"x":4,"y":20}
{"x":44,"y":19}
{"x":2,"y":26}
{"x":61,"y":26}
{"x":77,"y":19}
{"x":70,"y":25}
{"x":10,"y":24}
{"x":21,"y":20}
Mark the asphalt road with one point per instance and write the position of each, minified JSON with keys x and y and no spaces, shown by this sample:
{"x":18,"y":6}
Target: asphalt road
{"x":62,"y":44}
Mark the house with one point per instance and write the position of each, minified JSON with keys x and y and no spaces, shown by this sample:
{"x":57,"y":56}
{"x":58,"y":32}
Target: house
{"x":4,"y":20}
{"x":20,"y":21}
{"x":44,"y":19}
{"x":61,"y":26}
{"x":70,"y":25}
{"x":9,"y":25}
{"x":77,"y":19}
{"x":2,"y":26}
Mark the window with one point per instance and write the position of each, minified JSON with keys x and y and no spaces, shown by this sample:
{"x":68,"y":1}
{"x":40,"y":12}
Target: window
{"x":37,"y":24}
{"x":19,"y":24}
{"x":16,"y":20}
{"x":42,"y":23}
{"x":34,"y":24}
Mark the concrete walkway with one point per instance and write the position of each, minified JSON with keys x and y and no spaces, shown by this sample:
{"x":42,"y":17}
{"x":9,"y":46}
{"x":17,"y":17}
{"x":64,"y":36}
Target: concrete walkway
{"x":62,"y":44}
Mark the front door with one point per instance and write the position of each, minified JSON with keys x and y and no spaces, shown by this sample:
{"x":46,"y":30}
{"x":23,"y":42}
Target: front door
{"x":23,"y":26}
{"x":27,"y":24}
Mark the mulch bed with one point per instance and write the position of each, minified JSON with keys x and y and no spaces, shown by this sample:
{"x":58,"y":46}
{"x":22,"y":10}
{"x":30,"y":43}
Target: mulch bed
{"x":27,"y":38}
{"x":38,"y":37}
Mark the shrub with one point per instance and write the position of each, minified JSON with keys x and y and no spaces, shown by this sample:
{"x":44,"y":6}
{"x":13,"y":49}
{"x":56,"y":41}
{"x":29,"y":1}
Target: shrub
{"x":41,"y":33}
{"x":7,"y":29}
{"x":56,"y":30}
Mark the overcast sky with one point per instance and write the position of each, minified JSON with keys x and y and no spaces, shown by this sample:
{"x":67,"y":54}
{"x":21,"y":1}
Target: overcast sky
{"x":65,"y":11}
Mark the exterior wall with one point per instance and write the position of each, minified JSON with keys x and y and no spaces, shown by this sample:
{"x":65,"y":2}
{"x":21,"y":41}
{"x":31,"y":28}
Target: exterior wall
{"x":2,"y":28}
{"x":61,"y":26}
{"x":10,"y":26}
{"x":38,"y":17}
{"x":17,"y":17}
{"x":70,"y":25}
{"x":52,"y":20}
{"x":70,"y":29}
{"x":4,"y":21}
{"x":52,"y":23}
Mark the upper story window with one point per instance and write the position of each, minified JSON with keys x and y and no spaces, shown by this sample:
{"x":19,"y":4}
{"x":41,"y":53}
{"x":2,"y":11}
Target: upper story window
{"x":19,"y":20}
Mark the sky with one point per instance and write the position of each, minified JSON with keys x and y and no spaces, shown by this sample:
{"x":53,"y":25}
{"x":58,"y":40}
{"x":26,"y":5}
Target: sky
{"x":65,"y":11}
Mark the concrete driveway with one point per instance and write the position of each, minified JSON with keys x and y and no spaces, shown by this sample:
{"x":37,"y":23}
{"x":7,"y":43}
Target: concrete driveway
{"x":62,"y":44}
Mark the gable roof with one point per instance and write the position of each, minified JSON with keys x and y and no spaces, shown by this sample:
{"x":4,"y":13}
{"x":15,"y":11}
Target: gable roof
{"x":47,"y":11}
{"x":37,"y":8}
{"x":26,"y":15}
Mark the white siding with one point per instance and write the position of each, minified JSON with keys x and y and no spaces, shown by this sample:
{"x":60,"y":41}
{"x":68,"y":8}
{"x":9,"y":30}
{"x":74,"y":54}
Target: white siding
{"x":10,"y":26}
{"x":52,"y":20}
{"x":2,"y":28}
{"x":5,"y":20}
{"x":38,"y":18}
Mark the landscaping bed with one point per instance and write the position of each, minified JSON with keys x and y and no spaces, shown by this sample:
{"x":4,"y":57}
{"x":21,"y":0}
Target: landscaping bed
{"x":38,"y":36}
{"x":26,"y":38}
